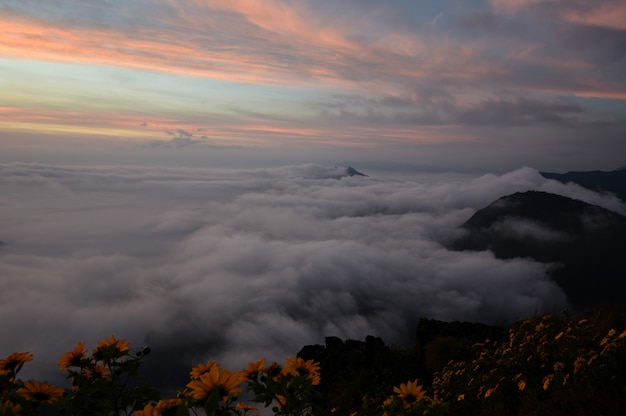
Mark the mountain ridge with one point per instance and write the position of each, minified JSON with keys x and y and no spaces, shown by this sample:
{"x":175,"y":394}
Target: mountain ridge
{"x":582,"y":243}
{"x":613,"y":182}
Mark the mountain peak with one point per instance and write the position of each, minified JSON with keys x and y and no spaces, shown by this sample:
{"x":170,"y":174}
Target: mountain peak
{"x":581,"y":243}
{"x":350,"y":171}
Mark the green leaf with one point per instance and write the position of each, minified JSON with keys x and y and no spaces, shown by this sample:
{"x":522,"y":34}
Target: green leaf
{"x":210,"y":404}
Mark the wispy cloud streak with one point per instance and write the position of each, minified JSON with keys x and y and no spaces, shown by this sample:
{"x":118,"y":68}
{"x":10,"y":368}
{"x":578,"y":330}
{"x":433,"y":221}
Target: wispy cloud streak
{"x":319,"y":72}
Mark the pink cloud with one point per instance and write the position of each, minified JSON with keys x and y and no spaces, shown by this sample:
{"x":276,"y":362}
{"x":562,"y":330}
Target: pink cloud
{"x":607,"y":15}
{"x":246,"y":41}
{"x":610,"y":14}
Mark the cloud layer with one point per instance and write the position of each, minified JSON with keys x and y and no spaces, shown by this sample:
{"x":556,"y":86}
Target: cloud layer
{"x":239,"y":264}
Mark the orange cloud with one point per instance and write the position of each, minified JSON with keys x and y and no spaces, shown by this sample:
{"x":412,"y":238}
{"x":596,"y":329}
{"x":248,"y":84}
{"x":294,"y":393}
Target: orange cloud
{"x":249,"y":41}
{"x":242,"y":131}
{"x":605,"y":14}
{"x":191,"y":41}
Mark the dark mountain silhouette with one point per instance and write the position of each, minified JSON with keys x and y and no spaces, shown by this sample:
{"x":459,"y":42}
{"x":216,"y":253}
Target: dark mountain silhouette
{"x":352,"y":369}
{"x":584,"y":243}
{"x":350,"y":171}
{"x":613,"y":182}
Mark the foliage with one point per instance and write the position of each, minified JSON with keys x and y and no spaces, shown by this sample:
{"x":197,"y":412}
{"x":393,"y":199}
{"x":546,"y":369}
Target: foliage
{"x":546,"y":365}
{"x":100,"y":381}
{"x":100,"y":385}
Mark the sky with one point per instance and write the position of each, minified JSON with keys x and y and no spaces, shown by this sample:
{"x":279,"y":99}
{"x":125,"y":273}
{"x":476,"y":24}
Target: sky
{"x":479,"y":86}
{"x":235,"y":265}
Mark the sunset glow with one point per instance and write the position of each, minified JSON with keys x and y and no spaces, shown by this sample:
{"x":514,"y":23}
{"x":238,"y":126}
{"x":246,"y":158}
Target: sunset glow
{"x":298,"y":73}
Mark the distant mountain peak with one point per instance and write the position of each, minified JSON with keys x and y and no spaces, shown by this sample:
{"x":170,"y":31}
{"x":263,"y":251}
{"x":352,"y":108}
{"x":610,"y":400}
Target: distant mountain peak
{"x":350,"y":171}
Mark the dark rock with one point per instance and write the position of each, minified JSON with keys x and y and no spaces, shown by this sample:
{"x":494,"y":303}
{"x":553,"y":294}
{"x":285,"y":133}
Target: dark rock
{"x":350,"y":171}
{"x":333,"y":344}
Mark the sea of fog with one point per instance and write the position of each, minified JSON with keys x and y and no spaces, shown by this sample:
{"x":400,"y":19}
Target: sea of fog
{"x":235,"y":265}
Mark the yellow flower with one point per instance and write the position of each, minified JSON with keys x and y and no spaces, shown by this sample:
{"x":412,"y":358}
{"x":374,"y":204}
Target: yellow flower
{"x":410,"y":393}
{"x":200,"y":369}
{"x":254,"y":368}
{"x":592,"y":359}
{"x":281,"y":401}
{"x":246,"y":407}
{"x":33,"y":390}
{"x":388,"y":401}
{"x":578,"y":364}
{"x":223,"y":380}
{"x":98,"y":371}
{"x":14,"y":362}
{"x":159,"y":409}
{"x":546,"y":381}
{"x":565,"y":379}
{"x":558,"y":365}
{"x":298,"y":366}
{"x":9,"y":408}
{"x":489,"y":392}
{"x":521,"y":385}
{"x":164,"y":405}
{"x":559,"y":336}
{"x":111,"y":348}
{"x":148,"y":410}
{"x":73,"y":358}
{"x":460,"y":398}
{"x":606,"y":339}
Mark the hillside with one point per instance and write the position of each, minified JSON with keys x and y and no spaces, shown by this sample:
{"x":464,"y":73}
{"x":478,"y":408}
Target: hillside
{"x":613,"y":182}
{"x":584,"y":243}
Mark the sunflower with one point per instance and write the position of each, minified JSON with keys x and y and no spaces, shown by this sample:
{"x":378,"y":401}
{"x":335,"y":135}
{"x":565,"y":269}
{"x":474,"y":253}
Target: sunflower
{"x":298,"y":366}
{"x":223,"y":380}
{"x":254,"y":369}
{"x":200,"y":369}
{"x":159,"y":409}
{"x":47,"y":393}
{"x":410,"y":393}
{"x":73,"y":358}
{"x":111,"y":348}
{"x":98,"y":372}
{"x":14,"y":362}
